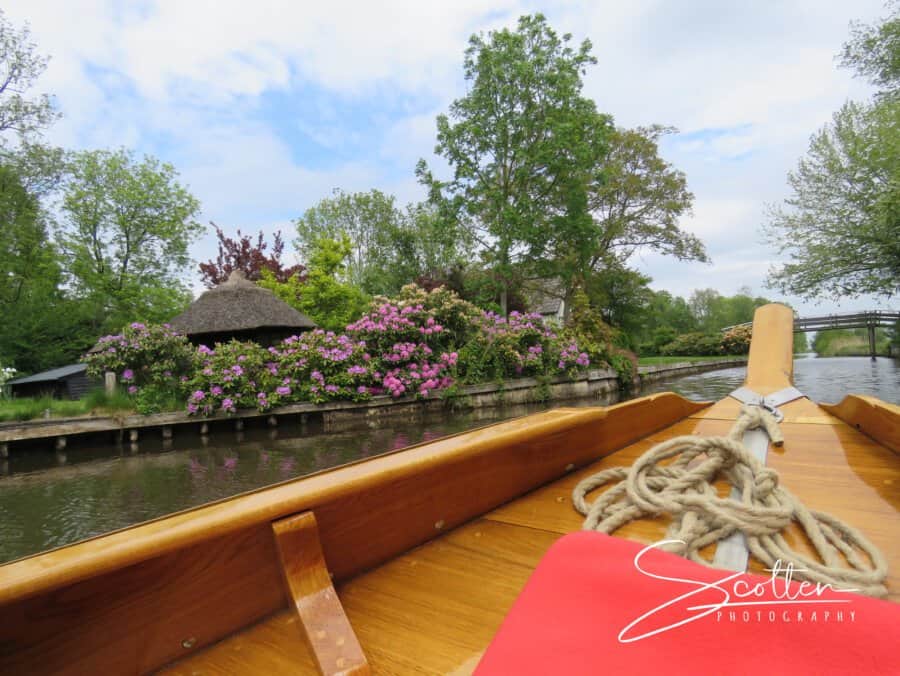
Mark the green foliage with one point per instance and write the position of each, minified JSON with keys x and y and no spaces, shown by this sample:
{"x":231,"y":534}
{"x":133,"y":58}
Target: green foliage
{"x":689,"y":344}
{"x":32,"y":409}
{"x":874,"y":52}
{"x":42,"y":327}
{"x":621,"y":296}
{"x":801,"y":343}
{"x":390,"y":247}
{"x":840,"y":226}
{"x":850,"y":342}
{"x":365,"y":219}
{"x":323,"y":297}
{"x":635,"y":199}
{"x":521,"y":143}
{"x":713,"y":312}
{"x":125,"y":236}
{"x":737,"y":340}
{"x":21,"y":66}
{"x":153,"y":358}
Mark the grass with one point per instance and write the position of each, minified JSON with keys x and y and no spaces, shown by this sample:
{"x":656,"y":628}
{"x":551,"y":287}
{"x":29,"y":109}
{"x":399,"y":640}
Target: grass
{"x":658,"y":361}
{"x":97,"y":402}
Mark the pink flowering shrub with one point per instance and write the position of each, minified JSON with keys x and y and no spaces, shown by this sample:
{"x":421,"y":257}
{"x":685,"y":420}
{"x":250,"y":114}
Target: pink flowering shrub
{"x":439,"y":319}
{"x":152,"y":362}
{"x":415,"y":344}
{"x":520,"y":345}
{"x":233,"y":375}
{"x":323,"y":366}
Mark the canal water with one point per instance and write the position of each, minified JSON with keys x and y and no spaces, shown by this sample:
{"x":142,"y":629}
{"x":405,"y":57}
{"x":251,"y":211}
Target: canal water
{"x":48,"y":499}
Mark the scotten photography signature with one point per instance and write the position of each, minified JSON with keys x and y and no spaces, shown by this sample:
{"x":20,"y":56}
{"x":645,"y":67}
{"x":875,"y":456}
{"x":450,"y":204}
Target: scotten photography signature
{"x":742,"y":591}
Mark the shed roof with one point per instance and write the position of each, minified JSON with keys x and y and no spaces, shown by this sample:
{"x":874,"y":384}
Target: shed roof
{"x":51,"y":375}
{"x":238,"y":305}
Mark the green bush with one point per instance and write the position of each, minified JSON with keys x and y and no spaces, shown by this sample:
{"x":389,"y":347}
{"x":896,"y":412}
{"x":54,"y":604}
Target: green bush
{"x":145,"y":356}
{"x":693,"y":345}
{"x":737,"y":340}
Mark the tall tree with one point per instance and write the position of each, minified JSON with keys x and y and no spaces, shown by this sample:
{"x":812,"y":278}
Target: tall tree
{"x":841,"y":225}
{"x":366,"y":218}
{"x":20,"y":67}
{"x":521,"y":143}
{"x":248,"y":257}
{"x":635,"y":199}
{"x":42,"y":327}
{"x":125,"y":234}
{"x":873,"y":51}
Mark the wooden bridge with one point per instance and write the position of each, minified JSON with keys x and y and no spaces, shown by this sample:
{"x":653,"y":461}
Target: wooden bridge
{"x":857,"y":320}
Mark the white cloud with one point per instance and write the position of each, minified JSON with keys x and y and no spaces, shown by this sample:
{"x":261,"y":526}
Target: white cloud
{"x":747,"y":83}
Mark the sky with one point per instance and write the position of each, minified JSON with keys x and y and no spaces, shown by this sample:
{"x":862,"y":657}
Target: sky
{"x":266,"y":107}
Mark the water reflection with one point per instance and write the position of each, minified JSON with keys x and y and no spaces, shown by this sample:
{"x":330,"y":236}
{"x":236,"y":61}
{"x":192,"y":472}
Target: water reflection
{"x":47,"y":500}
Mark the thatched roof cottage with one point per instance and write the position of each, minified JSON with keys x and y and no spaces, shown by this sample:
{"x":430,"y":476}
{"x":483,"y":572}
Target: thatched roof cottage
{"x":238,"y":308}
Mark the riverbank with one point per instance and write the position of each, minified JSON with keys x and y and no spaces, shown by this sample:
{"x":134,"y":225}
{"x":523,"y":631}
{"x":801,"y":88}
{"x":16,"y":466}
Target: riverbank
{"x":599,"y":384}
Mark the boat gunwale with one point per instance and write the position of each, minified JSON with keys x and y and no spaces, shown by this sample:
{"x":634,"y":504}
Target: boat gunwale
{"x":102,"y":554}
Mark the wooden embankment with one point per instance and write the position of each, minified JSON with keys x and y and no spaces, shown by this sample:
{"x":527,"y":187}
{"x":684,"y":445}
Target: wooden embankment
{"x":601,"y":384}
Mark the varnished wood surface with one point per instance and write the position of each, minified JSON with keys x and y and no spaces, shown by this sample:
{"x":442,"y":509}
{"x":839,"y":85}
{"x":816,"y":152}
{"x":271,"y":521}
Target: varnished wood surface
{"x":435,"y":609}
{"x":873,"y":417}
{"x":770,"y":365}
{"x":324,"y":625}
{"x":134,"y":600}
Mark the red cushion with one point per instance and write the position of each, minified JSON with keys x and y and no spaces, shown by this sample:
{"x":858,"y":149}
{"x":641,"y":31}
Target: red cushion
{"x":587,"y":590}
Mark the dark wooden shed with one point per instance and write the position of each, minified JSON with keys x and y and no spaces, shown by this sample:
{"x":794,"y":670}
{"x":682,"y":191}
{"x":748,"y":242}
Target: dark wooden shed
{"x":65,"y":382}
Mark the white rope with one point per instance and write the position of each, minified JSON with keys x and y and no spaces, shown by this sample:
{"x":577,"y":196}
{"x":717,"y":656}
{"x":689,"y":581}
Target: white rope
{"x":684,"y":490}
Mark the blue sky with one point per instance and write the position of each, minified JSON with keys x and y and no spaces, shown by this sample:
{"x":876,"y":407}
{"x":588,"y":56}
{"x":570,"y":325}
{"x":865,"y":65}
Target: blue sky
{"x":266,"y":107}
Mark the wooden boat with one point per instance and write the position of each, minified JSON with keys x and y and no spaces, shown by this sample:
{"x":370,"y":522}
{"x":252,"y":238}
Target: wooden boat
{"x":426,"y":547}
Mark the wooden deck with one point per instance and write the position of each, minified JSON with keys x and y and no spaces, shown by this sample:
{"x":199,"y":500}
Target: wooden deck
{"x":434,"y":609}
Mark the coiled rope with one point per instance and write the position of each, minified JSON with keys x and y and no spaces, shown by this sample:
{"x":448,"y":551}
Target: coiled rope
{"x":684,"y":490}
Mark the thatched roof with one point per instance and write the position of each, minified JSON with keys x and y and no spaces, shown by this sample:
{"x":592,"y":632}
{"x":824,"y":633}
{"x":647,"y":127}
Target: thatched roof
{"x":238,"y":305}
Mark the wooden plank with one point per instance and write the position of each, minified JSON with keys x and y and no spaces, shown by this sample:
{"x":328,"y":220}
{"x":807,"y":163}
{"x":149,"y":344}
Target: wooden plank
{"x":770,"y":366}
{"x":432,"y":610}
{"x":873,"y":417}
{"x":325,"y":627}
{"x":118,"y":603}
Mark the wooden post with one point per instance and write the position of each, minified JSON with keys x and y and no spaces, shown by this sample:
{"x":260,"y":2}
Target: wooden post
{"x":60,"y":443}
{"x":109,"y":382}
{"x":273,"y":421}
{"x":239,"y":424}
{"x":4,"y":450}
{"x":204,"y":429}
{"x":871,"y":328}
{"x":133,"y":435}
{"x":167,"y":432}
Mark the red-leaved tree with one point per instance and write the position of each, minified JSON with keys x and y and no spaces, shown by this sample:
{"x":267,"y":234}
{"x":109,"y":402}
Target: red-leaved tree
{"x":250,"y":258}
